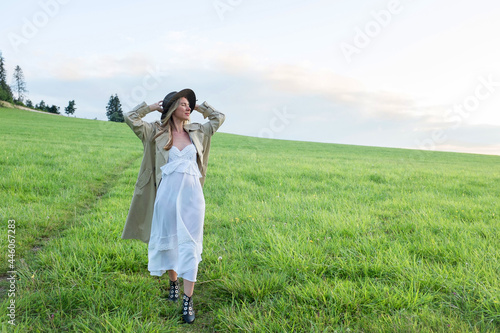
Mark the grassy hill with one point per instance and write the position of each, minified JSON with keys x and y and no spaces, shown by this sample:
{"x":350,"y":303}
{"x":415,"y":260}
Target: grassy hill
{"x":304,"y":237}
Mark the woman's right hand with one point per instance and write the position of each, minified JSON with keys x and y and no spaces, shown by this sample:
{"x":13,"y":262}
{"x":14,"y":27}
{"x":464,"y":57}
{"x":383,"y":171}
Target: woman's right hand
{"x":156,"y":106}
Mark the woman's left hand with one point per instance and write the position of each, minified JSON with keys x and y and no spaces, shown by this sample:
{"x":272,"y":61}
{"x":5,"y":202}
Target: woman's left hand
{"x":156,"y":106}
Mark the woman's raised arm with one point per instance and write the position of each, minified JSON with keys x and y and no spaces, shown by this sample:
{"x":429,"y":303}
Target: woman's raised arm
{"x":141,"y":128}
{"x":216,"y":118}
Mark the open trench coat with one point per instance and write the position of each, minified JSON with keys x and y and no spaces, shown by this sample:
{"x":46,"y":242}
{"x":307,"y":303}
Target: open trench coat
{"x":140,"y":215}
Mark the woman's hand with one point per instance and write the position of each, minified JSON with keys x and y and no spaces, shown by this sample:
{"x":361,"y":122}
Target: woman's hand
{"x":196,"y":107}
{"x":156,"y":106}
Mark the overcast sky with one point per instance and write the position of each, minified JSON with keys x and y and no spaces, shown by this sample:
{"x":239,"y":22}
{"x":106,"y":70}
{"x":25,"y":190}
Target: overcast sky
{"x":410,"y":74}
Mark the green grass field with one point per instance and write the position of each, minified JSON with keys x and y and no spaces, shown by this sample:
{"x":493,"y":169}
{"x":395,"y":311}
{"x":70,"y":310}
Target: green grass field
{"x":299,"y":237}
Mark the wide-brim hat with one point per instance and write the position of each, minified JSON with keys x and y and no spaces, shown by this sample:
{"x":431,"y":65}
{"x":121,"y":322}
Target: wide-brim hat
{"x":174,"y":96}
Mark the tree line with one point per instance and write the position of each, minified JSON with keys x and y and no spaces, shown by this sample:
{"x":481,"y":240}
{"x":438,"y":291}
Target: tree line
{"x":19,"y":87}
{"x":114,"y":110}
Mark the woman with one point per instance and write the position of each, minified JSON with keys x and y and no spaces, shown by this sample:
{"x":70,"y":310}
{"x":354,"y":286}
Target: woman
{"x":168,"y":207}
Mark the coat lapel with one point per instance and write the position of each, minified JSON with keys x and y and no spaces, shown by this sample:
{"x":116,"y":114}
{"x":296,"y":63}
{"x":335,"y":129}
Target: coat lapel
{"x":196,"y":141}
{"x":161,"y":141}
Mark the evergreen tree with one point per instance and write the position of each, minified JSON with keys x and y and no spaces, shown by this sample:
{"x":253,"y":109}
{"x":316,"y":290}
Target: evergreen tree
{"x":70,"y":109}
{"x":3,"y":74}
{"x":53,"y":109}
{"x":29,"y":103}
{"x":42,"y":106}
{"x":19,"y":84}
{"x":5,"y":91}
{"x":114,"y":109}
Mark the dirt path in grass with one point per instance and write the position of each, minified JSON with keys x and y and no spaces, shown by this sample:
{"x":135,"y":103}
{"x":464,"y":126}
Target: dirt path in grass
{"x":100,"y":189}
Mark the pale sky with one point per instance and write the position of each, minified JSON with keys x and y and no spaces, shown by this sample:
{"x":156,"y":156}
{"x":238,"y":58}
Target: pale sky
{"x":408,"y":74}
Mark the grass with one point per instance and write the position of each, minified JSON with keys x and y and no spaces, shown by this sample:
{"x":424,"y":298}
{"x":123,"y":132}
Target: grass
{"x":303,"y":237}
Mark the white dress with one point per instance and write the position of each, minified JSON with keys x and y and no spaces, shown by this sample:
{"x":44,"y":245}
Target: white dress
{"x":176,"y":240}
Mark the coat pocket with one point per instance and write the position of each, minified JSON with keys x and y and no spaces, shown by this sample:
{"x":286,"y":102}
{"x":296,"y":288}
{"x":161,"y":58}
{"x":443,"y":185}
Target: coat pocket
{"x":144,"y":178}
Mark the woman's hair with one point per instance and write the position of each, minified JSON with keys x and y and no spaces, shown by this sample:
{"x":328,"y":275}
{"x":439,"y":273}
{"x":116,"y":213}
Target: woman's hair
{"x":168,"y":125}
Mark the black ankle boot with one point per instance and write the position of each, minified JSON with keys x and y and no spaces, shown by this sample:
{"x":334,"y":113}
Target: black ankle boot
{"x":187,"y":309}
{"x":173,"y":294}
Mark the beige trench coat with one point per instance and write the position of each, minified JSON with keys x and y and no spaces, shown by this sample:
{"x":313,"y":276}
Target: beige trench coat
{"x":140,"y":215}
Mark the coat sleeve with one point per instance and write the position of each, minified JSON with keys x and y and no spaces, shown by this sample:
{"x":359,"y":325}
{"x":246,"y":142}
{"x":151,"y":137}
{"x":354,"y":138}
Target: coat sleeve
{"x":216,"y":118}
{"x":141,"y":128}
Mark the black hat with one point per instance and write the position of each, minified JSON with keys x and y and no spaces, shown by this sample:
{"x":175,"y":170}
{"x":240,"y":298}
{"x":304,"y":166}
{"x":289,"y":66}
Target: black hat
{"x":174,"y":95}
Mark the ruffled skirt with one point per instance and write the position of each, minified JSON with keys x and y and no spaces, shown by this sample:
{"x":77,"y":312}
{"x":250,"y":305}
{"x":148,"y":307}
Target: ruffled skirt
{"x":176,"y":241}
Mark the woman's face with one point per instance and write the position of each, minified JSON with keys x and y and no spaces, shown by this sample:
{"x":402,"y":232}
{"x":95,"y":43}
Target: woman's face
{"x":183,"y":111}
